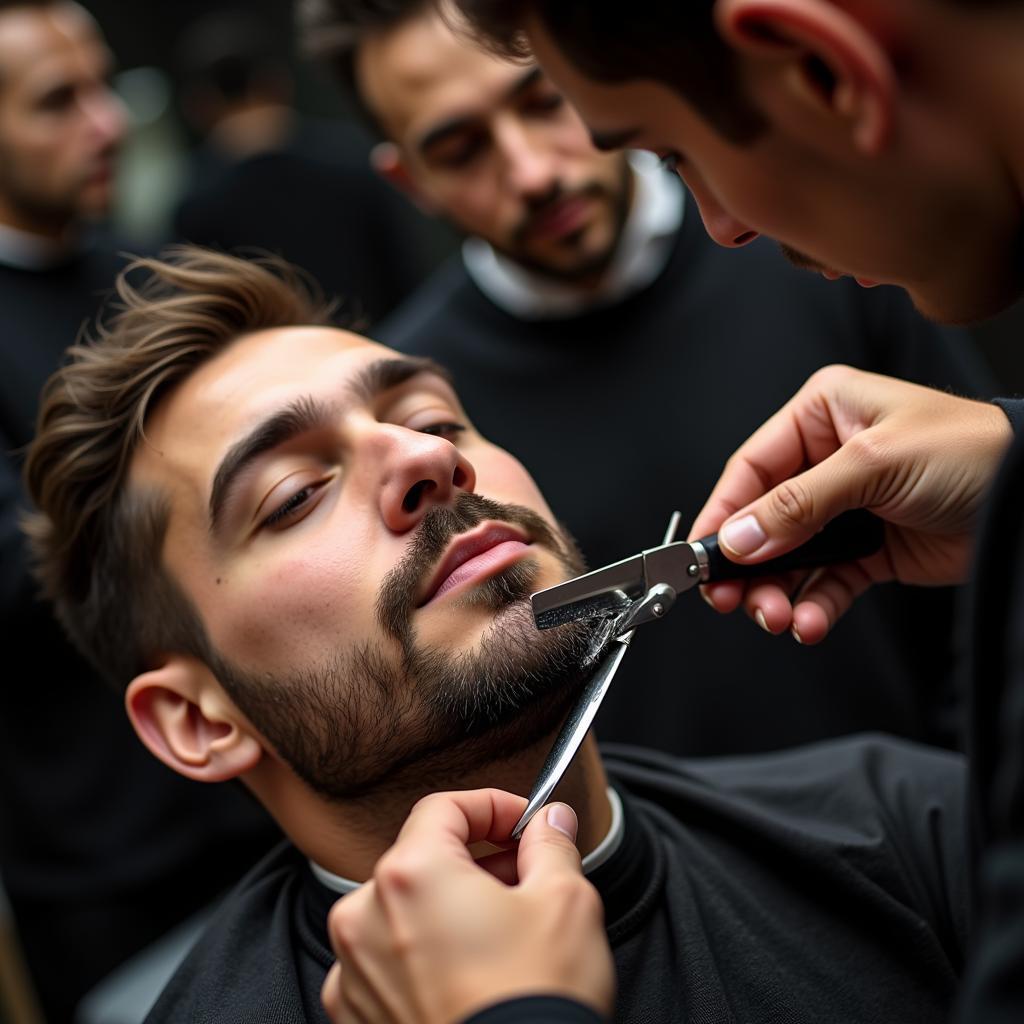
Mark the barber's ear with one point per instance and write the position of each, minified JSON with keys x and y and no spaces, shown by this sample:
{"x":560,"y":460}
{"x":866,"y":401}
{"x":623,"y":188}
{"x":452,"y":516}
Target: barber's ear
{"x":837,"y":65}
{"x":386,"y":159}
{"x":185,"y":718}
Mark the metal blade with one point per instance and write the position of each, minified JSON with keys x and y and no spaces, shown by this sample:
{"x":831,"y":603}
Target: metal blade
{"x":573,"y":733}
{"x":594,"y":593}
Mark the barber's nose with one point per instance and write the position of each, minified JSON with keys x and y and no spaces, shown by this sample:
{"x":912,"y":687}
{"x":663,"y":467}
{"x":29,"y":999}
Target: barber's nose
{"x":721,"y":225}
{"x":418,"y":471}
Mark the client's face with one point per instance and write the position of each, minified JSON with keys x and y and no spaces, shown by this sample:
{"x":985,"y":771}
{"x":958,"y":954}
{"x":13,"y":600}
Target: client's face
{"x":361,"y":559}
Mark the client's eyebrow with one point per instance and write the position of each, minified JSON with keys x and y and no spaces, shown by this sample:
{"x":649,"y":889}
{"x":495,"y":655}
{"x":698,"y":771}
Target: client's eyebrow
{"x":454,"y":125}
{"x":306,"y":414}
{"x":606,"y":141}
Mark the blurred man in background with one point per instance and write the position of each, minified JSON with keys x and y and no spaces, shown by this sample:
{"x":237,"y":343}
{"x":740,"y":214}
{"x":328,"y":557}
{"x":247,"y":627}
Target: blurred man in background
{"x":267,"y":176}
{"x":596,"y":331}
{"x":99,"y":847}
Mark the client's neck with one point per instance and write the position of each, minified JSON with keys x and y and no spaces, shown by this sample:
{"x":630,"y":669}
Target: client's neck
{"x":348,"y":839}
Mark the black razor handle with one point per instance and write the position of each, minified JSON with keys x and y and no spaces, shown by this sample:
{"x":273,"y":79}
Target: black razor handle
{"x":852,"y":535}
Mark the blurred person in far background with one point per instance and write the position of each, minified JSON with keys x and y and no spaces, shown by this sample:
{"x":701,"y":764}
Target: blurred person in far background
{"x":99,"y":846}
{"x":597,"y":332}
{"x":269,"y":177}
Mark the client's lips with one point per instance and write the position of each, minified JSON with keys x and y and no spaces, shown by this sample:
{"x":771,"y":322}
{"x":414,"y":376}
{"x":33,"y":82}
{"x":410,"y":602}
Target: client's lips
{"x":489,"y":548}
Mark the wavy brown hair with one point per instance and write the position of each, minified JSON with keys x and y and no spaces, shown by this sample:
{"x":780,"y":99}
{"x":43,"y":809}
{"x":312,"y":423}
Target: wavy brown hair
{"x":95,"y":539}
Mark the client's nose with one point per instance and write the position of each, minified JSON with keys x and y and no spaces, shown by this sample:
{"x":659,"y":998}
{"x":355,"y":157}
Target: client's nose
{"x":419,"y":471}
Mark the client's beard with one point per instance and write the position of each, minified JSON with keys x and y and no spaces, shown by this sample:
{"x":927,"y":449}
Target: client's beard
{"x":364,"y":719}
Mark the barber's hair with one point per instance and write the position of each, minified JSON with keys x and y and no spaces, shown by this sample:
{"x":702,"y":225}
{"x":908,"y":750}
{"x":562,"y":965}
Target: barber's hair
{"x":332,"y":31}
{"x":97,"y":542}
{"x":675,"y":44}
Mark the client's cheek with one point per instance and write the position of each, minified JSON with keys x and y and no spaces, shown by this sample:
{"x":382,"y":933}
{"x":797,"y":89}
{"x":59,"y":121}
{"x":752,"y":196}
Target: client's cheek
{"x":291,"y":611}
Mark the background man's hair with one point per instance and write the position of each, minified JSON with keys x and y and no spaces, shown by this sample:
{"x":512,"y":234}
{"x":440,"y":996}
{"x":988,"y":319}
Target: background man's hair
{"x":96,"y":542}
{"x":333,"y":30}
{"x":675,"y":44}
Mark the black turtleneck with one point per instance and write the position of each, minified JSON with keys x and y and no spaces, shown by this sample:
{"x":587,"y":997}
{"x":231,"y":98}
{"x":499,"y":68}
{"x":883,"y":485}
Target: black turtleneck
{"x":821,"y":884}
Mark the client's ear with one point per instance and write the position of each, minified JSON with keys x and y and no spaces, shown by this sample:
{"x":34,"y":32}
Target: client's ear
{"x":833,"y":62}
{"x":185,"y":718}
{"x":386,"y":159}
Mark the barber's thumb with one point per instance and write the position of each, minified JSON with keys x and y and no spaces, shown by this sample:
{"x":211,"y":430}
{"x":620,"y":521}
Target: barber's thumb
{"x":549,"y":841}
{"x":786,"y":517}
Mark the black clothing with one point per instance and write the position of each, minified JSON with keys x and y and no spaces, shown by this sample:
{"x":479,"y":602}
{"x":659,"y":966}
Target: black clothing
{"x":102,"y":848}
{"x":316,"y":202}
{"x":994,"y":991}
{"x":821,"y":884}
{"x":625,"y":413}
{"x":537,"y":1010}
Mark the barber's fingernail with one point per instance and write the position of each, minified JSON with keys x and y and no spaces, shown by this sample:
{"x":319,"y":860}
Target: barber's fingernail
{"x":707,"y":598}
{"x":796,"y":635}
{"x":743,"y":537}
{"x":761,"y":620}
{"x":563,"y":817}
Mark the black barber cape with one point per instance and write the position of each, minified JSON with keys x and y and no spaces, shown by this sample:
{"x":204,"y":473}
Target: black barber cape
{"x":102,"y":848}
{"x":626,"y":412}
{"x":994,"y":992}
{"x":816,"y":885}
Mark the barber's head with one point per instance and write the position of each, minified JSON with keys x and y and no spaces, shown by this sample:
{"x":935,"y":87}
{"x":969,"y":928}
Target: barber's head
{"x":60,"y":122}
{"x":847,"y":131}
{"x":289,"y":543}
{"x":489,"y":145}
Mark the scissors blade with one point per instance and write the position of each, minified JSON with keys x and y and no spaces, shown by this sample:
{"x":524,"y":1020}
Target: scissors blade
{"x":573,"y":732}
{"x":613,"y":588}
{"x":603,"y":591}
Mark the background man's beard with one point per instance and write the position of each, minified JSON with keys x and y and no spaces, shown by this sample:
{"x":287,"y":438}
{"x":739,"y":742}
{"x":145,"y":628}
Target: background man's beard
{"x":586,"y":266}
{"x":364,"y":720}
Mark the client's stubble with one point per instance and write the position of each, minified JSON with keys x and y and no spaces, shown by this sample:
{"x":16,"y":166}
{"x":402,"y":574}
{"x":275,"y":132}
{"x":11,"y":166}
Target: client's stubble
{"x":364,"y":719}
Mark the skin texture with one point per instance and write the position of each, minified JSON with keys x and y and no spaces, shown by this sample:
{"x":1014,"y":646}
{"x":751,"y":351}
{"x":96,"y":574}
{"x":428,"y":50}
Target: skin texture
{"x":60,"y":123}
{"x":516,"y":169}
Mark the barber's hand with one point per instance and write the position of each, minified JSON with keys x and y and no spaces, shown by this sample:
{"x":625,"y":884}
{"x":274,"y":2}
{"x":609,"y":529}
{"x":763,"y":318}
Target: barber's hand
{"x":436,"y":936}
{"x":920,"y":459}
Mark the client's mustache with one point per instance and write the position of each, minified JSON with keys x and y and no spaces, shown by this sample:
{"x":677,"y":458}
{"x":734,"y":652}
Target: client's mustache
{"x":439,"y":525}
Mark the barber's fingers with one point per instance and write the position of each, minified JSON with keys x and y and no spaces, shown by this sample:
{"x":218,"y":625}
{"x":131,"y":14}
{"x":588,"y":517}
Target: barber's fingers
{"x":330,"y":992}
{"x":548,"y":844}
{"x":805,"y":431}
{"x":446,"y":823}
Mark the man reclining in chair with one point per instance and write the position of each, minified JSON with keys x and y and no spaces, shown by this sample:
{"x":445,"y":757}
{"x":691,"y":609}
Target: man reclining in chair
{"x":309,"y":573}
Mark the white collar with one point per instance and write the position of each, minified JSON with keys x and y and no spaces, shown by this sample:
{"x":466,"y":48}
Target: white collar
{"x":655,"y":217}
{"x":26,"y":251}
{"x":593,"y":860}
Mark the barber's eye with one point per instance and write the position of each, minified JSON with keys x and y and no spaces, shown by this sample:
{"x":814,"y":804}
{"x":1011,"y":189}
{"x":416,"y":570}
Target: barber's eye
{"x":447,"y":430}
{"x":544,"y":103}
